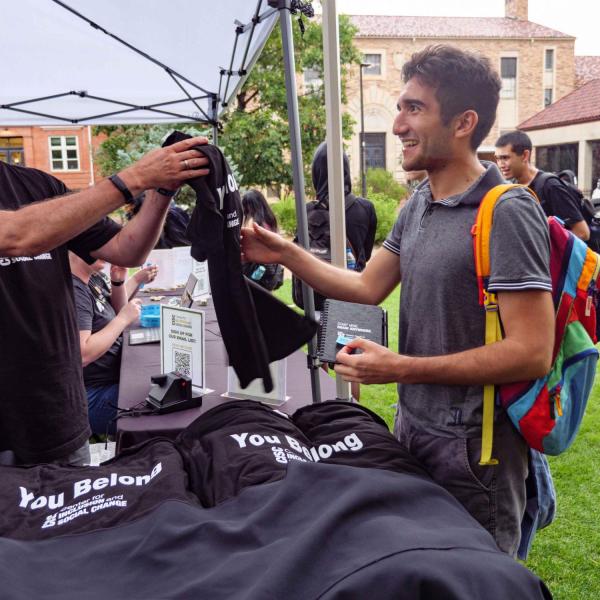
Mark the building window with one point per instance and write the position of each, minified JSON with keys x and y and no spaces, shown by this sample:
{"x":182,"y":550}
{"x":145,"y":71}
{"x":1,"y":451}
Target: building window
{"x":11,"y":150}
{"x":549,"y":60}
{"x":64,"y":153}
{"x":312,"y":79}
{"x":557,"y":158}
{"x":374,"y":150}
{"x":374,"y":62}
{"x":508,"y":72}
{"x":547,"y":97}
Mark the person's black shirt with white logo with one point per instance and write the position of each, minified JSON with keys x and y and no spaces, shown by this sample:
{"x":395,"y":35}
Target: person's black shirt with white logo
{"x":43,"y":410}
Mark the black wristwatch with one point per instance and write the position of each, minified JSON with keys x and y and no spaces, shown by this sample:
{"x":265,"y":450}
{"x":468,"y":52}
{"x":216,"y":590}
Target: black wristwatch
{"x":122,"y":187}
{"x":116,"y":283}
{"x":165,"y":192}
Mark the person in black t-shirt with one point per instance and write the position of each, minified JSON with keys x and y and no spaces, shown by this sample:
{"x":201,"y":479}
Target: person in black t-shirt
{"x":102,"y":315}
{"x":43,"y":412}
{"x":513,"y":152}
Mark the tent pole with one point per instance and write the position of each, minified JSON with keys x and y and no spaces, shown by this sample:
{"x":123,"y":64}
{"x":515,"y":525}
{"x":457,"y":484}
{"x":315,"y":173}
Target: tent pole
{"x":335,"y":168}
{"x":298,"y":174}
{"x":215,"y":117}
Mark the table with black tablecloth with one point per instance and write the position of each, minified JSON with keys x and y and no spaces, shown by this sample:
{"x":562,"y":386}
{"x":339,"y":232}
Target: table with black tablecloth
{"x":140,"y":362}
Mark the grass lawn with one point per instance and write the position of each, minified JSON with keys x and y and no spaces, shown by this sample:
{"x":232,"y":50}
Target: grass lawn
{"x":566,"y":555}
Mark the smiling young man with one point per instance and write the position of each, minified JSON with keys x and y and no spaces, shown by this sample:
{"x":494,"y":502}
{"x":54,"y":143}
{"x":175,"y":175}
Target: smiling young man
{"x":513,"y":154}
{"x":445,"y":110}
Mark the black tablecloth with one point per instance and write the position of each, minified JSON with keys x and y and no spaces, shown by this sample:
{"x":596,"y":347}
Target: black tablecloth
{"x":142,"y":361}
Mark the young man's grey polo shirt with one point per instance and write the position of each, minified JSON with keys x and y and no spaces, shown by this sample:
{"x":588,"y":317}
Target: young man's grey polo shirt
{"x":439,"y":309}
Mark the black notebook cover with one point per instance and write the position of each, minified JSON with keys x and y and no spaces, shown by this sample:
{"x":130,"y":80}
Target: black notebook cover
{"x":343,"y":321}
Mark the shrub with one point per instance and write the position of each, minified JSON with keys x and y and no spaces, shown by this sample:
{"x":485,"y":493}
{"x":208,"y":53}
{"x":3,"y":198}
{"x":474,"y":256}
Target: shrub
{"x":285,"y":211}
{"x":380,"y":181}
{"x":387,"y":211}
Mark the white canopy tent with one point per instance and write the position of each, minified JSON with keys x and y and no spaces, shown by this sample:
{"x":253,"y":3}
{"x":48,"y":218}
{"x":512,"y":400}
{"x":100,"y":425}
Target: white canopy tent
{"x":150,"y":61}
{"x":133,"y":61}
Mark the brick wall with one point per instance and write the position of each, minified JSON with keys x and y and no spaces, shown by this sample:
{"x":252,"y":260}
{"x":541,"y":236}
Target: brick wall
{"x":36,"y":150}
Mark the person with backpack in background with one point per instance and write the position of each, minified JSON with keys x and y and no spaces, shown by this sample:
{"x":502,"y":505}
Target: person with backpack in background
{"x":257,"y":210}
{"x":361,"y":223}
{"x":513,"y":155}
{"x":445,"y":110}
{"x":361,"y":227}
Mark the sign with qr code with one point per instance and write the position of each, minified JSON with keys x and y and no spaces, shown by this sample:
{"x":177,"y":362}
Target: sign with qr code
{"x":182,"y":342}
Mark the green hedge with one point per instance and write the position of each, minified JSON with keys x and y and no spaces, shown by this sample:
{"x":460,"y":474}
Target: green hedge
{"x":386,"y":209}
{"x":285,"y":211}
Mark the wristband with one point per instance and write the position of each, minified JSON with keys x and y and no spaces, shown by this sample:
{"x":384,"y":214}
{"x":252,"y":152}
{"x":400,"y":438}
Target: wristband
{"x":165,"y":192}
{"x":120,"y":185}
{"x":116,"y":283}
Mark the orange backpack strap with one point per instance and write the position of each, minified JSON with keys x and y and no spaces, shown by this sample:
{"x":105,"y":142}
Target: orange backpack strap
{"x":481,"y":232}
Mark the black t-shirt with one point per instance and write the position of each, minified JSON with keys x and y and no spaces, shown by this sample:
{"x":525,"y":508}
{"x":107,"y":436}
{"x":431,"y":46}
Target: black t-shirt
{"x":244,"y":506}
{"x":556,"y":199}
{"x":43,"y":411}
{"x":257,"y":328}
{"x":94,"y":313}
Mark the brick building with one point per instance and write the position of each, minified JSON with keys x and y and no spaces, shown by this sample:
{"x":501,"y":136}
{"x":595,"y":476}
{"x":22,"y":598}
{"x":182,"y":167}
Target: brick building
{"x":566,"y":135}
{"x":537,"y":66}
{"x":63,"y":151}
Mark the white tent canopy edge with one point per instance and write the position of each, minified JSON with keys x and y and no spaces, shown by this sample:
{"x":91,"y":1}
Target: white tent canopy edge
{"x":140,"y":61}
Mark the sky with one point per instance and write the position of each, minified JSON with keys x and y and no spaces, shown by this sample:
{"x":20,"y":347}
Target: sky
{"x":582,"y":19}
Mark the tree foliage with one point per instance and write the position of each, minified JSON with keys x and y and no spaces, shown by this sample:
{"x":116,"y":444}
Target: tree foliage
{"x":256,"y":137}
{"x":256,"y":133}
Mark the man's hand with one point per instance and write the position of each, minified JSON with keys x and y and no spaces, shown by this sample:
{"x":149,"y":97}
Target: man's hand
{"x":145,"y":275}
{"x":130,"y":312}
{"x":167,"y":167}
{"x":373,"y":363}
{"x":262,"y":246}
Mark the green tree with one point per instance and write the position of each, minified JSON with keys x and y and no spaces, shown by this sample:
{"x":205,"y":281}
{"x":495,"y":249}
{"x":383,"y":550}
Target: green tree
{"x":256,"y":134}
{"x":256,"y":137}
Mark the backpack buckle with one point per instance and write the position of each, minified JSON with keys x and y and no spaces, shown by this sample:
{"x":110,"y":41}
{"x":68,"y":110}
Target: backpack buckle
{"x":489,"y":301}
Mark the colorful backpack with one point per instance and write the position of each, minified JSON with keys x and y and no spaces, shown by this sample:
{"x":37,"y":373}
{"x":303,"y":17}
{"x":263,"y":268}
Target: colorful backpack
{"x":548,"y":411}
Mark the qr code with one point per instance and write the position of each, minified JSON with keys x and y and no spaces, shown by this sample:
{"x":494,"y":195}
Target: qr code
{"x":183,"y":362}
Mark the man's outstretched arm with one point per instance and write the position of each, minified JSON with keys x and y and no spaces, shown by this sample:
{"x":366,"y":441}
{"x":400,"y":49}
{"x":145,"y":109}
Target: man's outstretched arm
{"x":371,"y":286}
{"x":44,"y":225}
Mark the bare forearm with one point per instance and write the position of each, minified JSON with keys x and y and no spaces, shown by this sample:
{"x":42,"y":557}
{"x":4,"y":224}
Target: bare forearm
{"x":331,"y":281}
{"x":581,"y":230}
{"x":131,"y":246}
{"x":119,"y":296}
{"x":132,"y":285}
{"x":100,"y":342}
{"x":42,"y":226}
{"x":503,"y":362}
{"x":45,"y":225}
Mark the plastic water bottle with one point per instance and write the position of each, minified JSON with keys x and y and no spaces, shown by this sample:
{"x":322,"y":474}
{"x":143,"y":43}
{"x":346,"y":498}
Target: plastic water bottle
{"x":258,"y":273}
{"x":350,"y":261}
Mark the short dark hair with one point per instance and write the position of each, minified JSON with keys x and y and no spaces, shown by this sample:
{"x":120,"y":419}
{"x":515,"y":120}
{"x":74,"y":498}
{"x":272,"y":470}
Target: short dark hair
{"x":518,"y":140}
{"x":462,"y":81}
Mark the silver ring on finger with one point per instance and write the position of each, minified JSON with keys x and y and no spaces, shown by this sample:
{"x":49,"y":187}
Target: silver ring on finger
{"x":186,"y":164}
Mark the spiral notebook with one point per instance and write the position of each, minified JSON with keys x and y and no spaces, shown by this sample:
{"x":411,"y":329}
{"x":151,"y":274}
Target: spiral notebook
{"x":343,"y":321}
